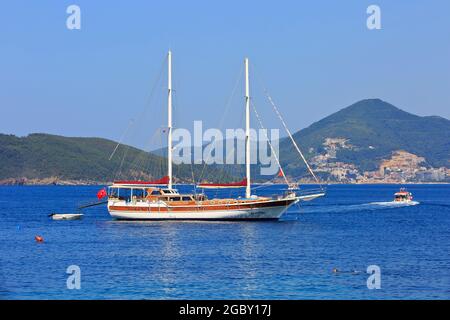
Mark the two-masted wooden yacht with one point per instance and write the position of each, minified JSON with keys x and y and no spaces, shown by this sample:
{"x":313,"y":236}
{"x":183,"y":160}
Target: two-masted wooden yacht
{"x":158,"y":200}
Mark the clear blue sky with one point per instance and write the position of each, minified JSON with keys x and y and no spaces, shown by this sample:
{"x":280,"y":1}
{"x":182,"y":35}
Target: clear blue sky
{"x":315,"y":57}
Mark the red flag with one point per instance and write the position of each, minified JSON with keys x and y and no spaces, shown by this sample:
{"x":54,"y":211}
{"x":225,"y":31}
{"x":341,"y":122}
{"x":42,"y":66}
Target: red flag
{"x":280,"y":173}
{"x":101,"y":193}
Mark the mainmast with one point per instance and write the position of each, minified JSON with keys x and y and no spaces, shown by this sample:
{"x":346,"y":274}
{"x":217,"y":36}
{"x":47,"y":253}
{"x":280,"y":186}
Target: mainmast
{"x":247,"y":131}
{"x":169,"y":121}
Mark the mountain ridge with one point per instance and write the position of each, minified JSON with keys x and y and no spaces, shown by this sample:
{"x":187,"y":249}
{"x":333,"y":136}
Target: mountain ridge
{"x":41,"y":158}
{"x":350,"y":145}
{"x":375,"y":129}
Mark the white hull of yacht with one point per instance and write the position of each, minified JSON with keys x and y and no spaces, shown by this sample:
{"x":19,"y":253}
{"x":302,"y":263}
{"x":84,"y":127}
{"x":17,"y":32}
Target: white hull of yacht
{"x":256,"y":213}
{"x":272,"y":214}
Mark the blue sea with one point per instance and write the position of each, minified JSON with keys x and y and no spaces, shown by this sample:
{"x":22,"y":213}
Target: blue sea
{"x":351,"y":228}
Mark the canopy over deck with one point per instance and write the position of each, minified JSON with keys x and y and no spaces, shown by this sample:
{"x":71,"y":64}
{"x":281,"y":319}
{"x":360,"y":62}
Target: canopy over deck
{"x":137,"y":183}
{"x":239,"y":184}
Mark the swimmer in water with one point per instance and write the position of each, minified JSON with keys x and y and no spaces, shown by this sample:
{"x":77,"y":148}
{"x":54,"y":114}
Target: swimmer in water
{"x":354,"y":271}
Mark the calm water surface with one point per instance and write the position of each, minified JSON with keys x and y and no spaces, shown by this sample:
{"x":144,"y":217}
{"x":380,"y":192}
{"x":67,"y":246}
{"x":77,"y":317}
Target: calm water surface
{"x":350,"y":229}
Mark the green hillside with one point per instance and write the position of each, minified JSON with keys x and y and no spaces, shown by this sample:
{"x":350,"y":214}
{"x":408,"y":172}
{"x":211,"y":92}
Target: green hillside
{"x":372,"y":130}
{"x":40,"y":156}
{"x":375,"y":128}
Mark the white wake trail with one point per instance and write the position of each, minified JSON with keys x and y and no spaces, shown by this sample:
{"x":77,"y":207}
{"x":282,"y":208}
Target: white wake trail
{"x":371,"y":206}
{"x":395,"y":204}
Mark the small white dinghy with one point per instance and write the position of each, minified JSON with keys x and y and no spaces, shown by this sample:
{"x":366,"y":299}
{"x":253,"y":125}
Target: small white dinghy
{"x":66,"y":216}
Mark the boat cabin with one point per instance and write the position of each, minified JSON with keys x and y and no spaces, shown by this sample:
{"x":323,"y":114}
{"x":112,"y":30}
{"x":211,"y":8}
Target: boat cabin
{"x":402,"y":195}
{"x":145,"y":192}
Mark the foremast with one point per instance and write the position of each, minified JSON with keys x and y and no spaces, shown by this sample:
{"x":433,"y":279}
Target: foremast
{"x":169,"y":119}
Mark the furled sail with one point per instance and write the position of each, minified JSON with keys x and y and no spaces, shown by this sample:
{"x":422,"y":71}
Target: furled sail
{"x":163,"y":181}
{"x":239,"y":184}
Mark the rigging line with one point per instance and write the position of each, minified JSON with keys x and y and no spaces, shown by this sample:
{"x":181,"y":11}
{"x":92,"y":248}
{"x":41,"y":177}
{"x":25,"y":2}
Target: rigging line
{"x":141,"y":114}
{"x":139,"y":160}
{"x":192,"y":171}
{"x":288,"y":132}
{"x":266,"y":184}
{"x":150,"y":97}
{"x":121,"y":163}
{"x":227,"y":107}
{"x":151,"y":158}
{"x":161,"y":159}
{"x":153,"y":89}
{"x":292,"y":138}
{"x":142,"y":161}
{"x":175,"y":107}
{"x":237,"y":168}
{"x":121,"y":138}
{"x":271,"y":147}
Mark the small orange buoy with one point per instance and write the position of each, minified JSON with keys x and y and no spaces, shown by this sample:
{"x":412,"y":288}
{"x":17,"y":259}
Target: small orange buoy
{"x":39,"y":239}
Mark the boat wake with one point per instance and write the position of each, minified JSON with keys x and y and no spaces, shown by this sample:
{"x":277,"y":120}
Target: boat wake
{"x":371,"y":206}
{"x":395,"y":204}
